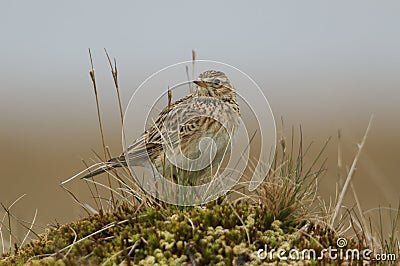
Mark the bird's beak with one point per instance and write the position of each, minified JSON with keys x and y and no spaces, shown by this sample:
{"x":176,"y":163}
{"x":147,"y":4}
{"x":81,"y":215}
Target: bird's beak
{"x":200,"y":83}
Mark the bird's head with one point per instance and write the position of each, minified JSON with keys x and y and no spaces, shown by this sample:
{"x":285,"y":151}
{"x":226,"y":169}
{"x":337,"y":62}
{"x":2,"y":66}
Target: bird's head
{"x":215,"y":84}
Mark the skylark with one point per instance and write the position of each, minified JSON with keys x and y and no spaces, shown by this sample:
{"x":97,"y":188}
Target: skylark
{"x":178,"y":144}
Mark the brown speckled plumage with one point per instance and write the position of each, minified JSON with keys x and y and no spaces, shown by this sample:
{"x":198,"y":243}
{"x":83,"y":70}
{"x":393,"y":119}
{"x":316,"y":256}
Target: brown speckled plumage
{"x":213,"y":100}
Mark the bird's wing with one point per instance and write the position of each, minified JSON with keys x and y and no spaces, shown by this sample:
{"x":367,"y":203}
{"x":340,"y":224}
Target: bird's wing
{"x":165,"y":130}
{"x":181,"y":122}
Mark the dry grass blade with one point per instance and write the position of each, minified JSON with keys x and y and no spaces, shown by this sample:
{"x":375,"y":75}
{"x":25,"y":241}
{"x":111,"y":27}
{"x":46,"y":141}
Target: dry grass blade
{"x":169,"y":97}
{"x":114,"y":72}
{"x":8,"y":215}
{"x":93,"y":78}
{"x":108,"y":188}
{"x":194,"y":55}
{"x":76,"y":199}
{"x":350,"y":174}
{"x":340,"y":159}
{"x":188,"y":78}
{"x":73,"y":242}
{"x":2,"y":240}
{"x":364,"y":224}
{"x":190,"y":84}
{"x":30,"y":229}
{"x":97,"y":197}
{"x":7,"y":210}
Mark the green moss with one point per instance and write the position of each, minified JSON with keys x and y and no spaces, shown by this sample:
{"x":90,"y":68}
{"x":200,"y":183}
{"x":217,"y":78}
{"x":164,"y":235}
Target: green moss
{"x":213,"y":234}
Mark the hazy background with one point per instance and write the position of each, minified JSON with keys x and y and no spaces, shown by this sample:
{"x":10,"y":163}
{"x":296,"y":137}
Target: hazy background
{"x":324,"y":66}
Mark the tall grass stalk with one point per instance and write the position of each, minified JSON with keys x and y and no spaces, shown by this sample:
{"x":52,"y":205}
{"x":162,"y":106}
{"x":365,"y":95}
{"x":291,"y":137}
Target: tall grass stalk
{"x":350,"y":174}
{"x":93,"y":78}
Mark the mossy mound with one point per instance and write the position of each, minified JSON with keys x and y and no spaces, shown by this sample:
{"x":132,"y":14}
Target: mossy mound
{"x":223,"y":234}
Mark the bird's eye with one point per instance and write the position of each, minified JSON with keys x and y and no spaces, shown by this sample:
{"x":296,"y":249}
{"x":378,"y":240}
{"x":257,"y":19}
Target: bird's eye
{"x":217,"y":81}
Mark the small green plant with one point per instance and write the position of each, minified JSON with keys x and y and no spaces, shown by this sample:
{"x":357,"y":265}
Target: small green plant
{"x":289,"y":191}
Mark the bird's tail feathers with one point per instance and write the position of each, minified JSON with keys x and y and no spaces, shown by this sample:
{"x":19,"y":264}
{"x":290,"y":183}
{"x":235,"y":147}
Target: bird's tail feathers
{"x":104,"y":167}
{"x":97,"y":169}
